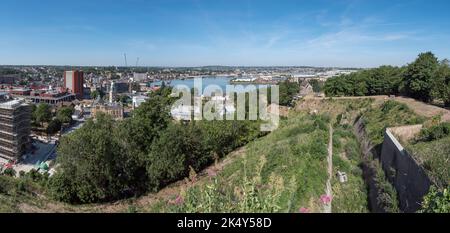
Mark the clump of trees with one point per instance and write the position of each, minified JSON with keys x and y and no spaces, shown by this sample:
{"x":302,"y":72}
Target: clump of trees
{"x":43,"y":116}
{"x":41,"y":113}
{"x":97,"y":93}
{"x":107,"y":160}
{"x":317,"y":85}
{"x":425,"y":79}
{"x":287,"y":92}
{"x":379,"y":81}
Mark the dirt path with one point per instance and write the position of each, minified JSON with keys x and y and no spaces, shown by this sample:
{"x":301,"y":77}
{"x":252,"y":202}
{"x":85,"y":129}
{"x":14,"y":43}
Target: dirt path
{"x":424,"y":109}
{"x":328,"y":191}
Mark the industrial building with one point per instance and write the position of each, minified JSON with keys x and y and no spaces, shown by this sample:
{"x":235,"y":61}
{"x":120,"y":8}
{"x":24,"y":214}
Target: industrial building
{"x":73,"y":82}
{"x":15,"y":118}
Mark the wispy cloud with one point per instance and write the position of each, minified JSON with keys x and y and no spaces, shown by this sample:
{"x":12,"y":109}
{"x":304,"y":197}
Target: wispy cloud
{"x":357,"y":37}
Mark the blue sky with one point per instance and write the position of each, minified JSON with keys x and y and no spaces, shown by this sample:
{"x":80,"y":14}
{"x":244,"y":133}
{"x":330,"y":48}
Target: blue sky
{"x":352,"y":33}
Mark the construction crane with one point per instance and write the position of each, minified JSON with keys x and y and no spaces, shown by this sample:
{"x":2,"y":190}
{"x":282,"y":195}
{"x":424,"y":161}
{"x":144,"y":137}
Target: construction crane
{"x":126,"y":63}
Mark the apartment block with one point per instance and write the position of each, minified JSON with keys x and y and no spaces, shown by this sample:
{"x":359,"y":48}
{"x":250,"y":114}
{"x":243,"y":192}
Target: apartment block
{"x":15,"y":118}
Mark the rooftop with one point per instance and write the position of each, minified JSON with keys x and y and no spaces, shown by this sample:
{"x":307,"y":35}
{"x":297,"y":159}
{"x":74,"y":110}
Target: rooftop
{"x":11,"y":104}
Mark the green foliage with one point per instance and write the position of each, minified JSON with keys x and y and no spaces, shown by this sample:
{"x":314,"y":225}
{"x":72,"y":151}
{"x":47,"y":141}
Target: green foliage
{"x":387,"y":195}
{"x":419,"y":75}
{"x":390,"y":114}
{"x":97,"y":93}
{"x":124,"y":99}
{"x":424,"y":79}
{"x":64,"y":114}
{"x":287,"y":92}
{"x":278,"y":173}
{"x":433,"y":156}
{"x":379,"y":81}
{"x":441,"y":83}
{"x":351,"y":196}
{"x":54,"y":126}
{"x":9,"y":172}
{"x":107,"y":160}
{"x":251,"y":197}
{"x":316,"y":85}
{"x":90,"y":164}
{"x":436,"y":201}
{"x":172,"y":153}
{"x":434,"y":132}
{"x":42,"y":113}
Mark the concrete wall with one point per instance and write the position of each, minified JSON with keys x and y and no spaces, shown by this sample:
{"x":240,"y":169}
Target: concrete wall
{"x":408,"y":178}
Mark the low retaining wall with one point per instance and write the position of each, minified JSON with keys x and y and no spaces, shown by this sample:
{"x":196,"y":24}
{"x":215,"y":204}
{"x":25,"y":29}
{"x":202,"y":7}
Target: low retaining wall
{"x":407,"y":176}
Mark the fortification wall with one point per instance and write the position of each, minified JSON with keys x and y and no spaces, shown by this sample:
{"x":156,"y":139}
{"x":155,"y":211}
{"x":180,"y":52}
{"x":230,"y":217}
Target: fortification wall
{"x":407,"y":176}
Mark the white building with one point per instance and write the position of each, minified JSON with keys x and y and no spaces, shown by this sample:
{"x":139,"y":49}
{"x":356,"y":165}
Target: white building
{"x":138,"y":100}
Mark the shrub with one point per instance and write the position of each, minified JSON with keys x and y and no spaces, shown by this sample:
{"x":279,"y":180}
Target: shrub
{"x":436,"y":201}
{"x":9,"y":172}
{"x":434,"y":132}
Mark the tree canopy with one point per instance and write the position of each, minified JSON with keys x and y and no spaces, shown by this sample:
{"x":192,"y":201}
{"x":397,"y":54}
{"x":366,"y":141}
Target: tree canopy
{"x":425,"y":79}
{"x":42,"y":113}
{"x":64,"y":114}
{"x":419,"y":75}
{"x":107,"y":160}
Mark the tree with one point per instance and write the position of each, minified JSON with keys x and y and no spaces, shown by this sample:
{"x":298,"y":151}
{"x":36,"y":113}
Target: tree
{"x":64,"y":114}
{"x":95,"y":94}
{"x":173,"y":153}
{"x":106,"y":160}
{"x":419,"y":76}
{"x":124,"y":99}
{"x":90,"y":164}
{"x":54,"y":126}
{"x":316,"y":85}
{"x":287,"y":91}
{"x":42,"y":113}
{"x":9,"y":172}
{"x":441,"y":85}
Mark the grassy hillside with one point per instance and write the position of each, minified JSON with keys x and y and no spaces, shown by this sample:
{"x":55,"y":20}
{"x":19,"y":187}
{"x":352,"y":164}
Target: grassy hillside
{"x":351,"y":196}
{"x":435,"y":158}
{"x":19,"y":195}
{"x":284,"y":171}
{"x":281,"y":172}
{"x":389,"y":114}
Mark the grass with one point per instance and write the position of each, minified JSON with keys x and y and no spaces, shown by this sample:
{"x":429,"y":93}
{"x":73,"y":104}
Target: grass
{"x":389,"y":114}
{"x":351,"y":196}
{"x":281,"y":172}
{"x":14,"y":193}
{"x":434,"y":157}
